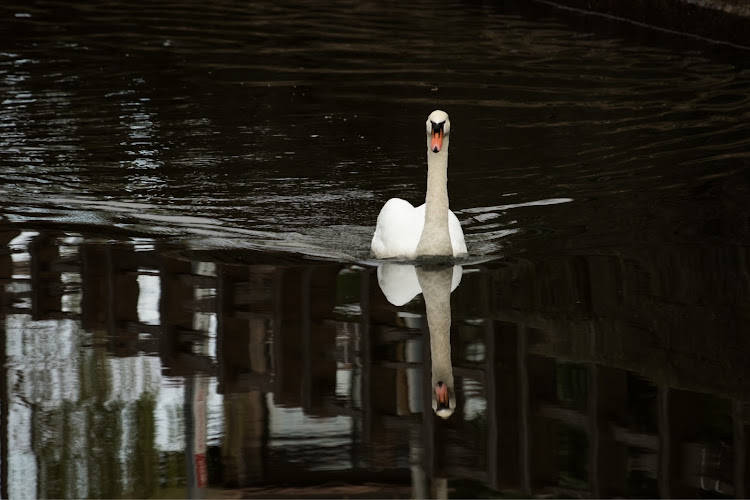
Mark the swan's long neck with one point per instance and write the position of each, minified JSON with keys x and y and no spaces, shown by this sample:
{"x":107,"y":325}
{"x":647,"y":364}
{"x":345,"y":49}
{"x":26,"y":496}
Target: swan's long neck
{"x":436,"y":290}
{"x":435,"y":238}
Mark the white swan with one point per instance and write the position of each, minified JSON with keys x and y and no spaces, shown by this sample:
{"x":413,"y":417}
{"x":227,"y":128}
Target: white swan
{"x":431,"y":228}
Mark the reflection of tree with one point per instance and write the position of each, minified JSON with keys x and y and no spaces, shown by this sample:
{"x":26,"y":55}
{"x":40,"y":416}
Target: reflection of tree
{"x":91,"y":425}
{"x":80,"y":437}
{"x":96,"y":446}
{"x":144,"y":457}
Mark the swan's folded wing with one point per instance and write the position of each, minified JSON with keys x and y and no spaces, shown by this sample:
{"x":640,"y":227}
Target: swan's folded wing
{"x":398,"y":229}
{"x":457,"y":235}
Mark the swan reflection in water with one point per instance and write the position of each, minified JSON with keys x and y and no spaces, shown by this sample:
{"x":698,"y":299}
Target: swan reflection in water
{"x":400,"y":283}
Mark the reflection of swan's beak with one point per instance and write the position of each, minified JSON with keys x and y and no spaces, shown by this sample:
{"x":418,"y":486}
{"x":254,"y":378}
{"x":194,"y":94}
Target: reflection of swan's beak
{"x":442,"y":403}
{"x":437,"y":138}
{"x":441,"y":395}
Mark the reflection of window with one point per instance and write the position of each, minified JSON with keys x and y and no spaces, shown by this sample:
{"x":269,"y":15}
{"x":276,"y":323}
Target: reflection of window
{"x":475,"y":404}
{"x":573,"y":450}
{"x":475,"y":351}
{"x":572,"y":384}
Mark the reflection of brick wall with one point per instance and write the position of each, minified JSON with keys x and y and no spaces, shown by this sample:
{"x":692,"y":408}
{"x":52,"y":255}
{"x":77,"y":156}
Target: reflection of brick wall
{"x":639,"y":312}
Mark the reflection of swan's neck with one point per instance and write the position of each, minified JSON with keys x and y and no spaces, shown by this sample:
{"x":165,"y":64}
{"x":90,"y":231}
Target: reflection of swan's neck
{"x":435,"y":238}
{"x":436,"y":290}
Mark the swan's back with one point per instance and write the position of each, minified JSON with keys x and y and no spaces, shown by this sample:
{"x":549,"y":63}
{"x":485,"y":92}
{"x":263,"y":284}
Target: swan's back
{"x":457,"y":235}
{"x":398,"y":229}
{"x":400,"y":226}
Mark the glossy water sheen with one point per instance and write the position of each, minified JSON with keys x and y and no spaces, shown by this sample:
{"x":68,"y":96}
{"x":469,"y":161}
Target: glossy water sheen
{"x":187,"y":193}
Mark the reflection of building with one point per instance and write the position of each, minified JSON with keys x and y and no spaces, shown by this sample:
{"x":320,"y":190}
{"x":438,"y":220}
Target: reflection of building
{"x":131,"y":370}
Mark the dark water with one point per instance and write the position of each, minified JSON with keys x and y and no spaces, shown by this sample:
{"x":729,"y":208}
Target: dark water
{"x":187,"y":193}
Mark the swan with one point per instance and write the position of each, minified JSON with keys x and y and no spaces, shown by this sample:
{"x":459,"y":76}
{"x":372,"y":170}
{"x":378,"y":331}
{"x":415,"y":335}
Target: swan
{"x":436,"y":291}
{"x":430,"y":229}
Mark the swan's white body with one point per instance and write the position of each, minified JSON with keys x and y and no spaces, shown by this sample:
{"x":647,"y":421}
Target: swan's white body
{"x":429,"y":229}
{"x":400,"y":226}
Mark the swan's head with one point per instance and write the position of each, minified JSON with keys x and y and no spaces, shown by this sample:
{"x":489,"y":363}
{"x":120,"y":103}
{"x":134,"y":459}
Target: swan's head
{"x":438,"y":128}
{"x":443,"y":400}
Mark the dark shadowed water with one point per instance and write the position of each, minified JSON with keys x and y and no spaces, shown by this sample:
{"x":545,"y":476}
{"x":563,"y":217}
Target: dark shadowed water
{"x":189,"y":307}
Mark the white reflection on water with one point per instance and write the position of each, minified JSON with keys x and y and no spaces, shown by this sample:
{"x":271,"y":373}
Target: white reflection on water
{"x":170,"y":422}
{"x":42,"y":367}
{"x":475,"y":404}
{"x":132,"y":378}
{"x":535,"y":203}
{"x":149,"y":293}
{"x":22,"y":466}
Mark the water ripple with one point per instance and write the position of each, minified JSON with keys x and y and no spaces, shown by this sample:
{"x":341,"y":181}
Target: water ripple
{"x":290,"y":117}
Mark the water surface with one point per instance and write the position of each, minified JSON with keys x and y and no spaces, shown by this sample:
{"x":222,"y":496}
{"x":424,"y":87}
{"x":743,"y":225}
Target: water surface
{"x":187,"y":193}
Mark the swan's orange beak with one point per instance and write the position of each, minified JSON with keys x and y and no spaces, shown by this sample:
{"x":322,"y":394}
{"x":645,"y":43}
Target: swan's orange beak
{"x":441,"y":395}
{"x":437,"y":140}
